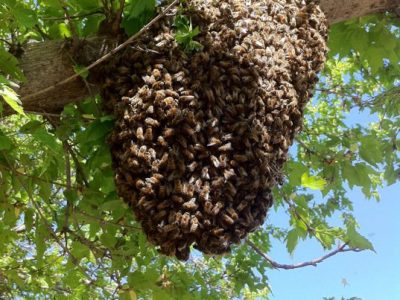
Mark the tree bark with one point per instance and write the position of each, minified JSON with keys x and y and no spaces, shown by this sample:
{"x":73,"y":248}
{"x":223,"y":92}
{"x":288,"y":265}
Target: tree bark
{"x":46,"y":64}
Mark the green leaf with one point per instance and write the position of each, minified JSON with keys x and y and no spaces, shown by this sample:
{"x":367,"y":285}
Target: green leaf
{"x":5,"y":142}
{"x":292,"y":240}
{"x":11,"y":98}
{"x":313,"y":182}
{"x":371,"y":150}
{"x":9,"y":65}
{"x":356,"y":240}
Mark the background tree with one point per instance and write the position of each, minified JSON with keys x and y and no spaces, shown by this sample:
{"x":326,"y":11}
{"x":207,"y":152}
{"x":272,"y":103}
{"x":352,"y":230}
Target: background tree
{"x":63,"y":230}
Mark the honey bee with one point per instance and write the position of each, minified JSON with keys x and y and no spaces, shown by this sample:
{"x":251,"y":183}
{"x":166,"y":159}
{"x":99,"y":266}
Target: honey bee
{"x":194,"y":224}
{"x":148,"y":136}
{"x":151,"y":122}
{"x":178,"y":188}
{"x":232,"y":213}
{"x":215,"y":161}
{"x":226,"y":147}
{"x":217,"y":208}
{"x":204,"y":173}
{"x":168,"y":133}
{"x":156,"y":74}
{"x":192,"y":166}
{"x":227,"y":219}
{"x":185,"y":220}
{"x":190,"y":205}
{"x":214,"y":142}
{"x":177,"y":199}
{"x":161,"y":141}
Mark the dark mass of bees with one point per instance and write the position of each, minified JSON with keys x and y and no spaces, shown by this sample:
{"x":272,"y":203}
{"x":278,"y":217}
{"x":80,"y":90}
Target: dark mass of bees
{"x":200,"y":138}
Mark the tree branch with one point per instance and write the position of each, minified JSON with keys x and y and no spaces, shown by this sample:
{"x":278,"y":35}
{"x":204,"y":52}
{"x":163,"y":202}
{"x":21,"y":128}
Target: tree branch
{"x":104,"y":57}
{"x":341,"y":249}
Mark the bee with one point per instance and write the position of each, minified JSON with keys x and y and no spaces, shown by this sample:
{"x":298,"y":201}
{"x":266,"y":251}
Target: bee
{"x":164,"y":159}
{"x":139,"y":184}
{"x":178,"y":188}
{"x":190,"y":205}
{"x":172,"y":93}
{"x":163,"y":205}
{"x":168,"y":80}
{"x":177,"y":199}
{"x":162,"y":191}
{"x":232,"y":213}
{"x":171,"y":165}
{"x":217,"y":208}
{"x":147,"y":190}
{"x":227,"y":219}
{"x":228,"y":174}
{"x":151,"y":122}
{"x":217,"y":231}
{"x":150,"y":110}
{"x":182,"y":141}
{"x":168,"y":133}
{"x":230,"y":188}
{"x":185,"y":220}
{"x":214,"y":142}
{"x":156,"y":74}
{"x":159,"y":96}
{"x":205,"y":192}
{"x":208,"y":207}
{"x":204,"y":173}
{"x":192,"y":166}
{"x":194,"y":224}
{"x":226,"y":147}
{"x":215,"y":161}
{"x":149,"y":80}
{"x":161,"y":141}
{"x":189,"y":155}
{"x":133,"y":163}
{"x":148,"y":136}
{"x":218,"y":183}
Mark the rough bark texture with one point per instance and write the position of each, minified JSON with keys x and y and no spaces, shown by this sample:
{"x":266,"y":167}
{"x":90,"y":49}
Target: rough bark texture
{"x":46,"y":64}
{"x":340,"y":10}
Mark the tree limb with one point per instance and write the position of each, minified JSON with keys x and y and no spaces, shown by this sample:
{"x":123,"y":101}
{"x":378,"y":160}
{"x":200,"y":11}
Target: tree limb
{"x":313,"y":263}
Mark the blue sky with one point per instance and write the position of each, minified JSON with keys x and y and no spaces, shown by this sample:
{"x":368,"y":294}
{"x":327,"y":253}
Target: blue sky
{"x":370,"y":276}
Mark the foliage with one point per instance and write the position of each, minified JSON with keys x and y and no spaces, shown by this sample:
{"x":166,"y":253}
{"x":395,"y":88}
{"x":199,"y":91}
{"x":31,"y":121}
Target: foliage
{"x":65,"y":233}
{"x":185,"y":33}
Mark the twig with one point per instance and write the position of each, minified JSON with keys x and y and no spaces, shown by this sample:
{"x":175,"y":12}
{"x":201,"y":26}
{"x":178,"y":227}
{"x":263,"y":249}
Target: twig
{"x":106,"y":56}
{"x":77,"y":163}
{"x":105,"y":221}
{"x":313,"y":263}
{"x":68,"y":179}
{"x":74,"y":16}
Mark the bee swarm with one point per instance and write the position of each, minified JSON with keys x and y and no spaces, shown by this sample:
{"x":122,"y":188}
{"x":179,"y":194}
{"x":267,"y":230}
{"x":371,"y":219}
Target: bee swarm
{"x":200,"y":138}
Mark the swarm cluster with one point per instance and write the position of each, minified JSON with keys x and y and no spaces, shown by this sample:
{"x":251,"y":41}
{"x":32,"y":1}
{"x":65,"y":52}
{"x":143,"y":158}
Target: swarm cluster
{"x":201,"y":137}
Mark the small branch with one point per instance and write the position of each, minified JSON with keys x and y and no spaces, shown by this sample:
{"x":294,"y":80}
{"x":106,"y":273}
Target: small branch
{"x":97,"y":12}
{"x":69,"y":204}
{"x":313,"y":263}
{"x":77,"y":163}
{"x":105,"y":57}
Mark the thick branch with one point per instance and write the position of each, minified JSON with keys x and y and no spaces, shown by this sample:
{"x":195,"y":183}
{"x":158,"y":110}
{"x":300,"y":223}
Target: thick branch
{"x":314,"y":262}
{"x":341,"y":10}
{"x":46,"y":64}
